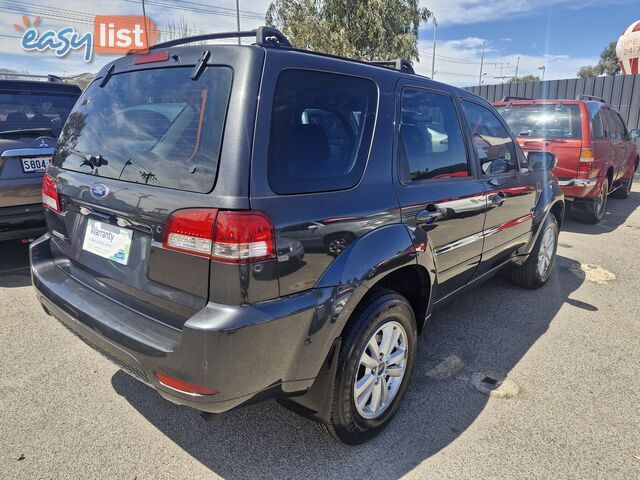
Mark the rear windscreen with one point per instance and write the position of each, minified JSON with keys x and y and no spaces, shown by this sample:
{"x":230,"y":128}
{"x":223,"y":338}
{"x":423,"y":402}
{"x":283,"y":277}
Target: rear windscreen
{"x":156,"y":127}
{"x":27,"y":110}
{"x":543,"y":121}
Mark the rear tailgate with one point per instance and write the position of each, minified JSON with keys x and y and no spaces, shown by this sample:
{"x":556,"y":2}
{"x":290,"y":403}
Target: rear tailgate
{"x":553,"y":126}
{"x":134,"y":151}
{"x":566,"y":151}
{"x":163,"y":284}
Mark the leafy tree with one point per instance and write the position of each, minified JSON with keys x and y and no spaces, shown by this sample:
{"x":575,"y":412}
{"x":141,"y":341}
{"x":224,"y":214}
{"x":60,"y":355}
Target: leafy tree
{"x":607,"y":65}
{"x":525,"y":78}
{"x":366,"y":30}
{"x":588,"y":72}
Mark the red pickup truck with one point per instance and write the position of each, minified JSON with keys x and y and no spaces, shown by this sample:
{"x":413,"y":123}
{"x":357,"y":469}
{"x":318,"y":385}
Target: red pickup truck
{"x":597,"y":155}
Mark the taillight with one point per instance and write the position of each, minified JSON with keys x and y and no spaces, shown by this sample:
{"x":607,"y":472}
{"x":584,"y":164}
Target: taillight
{"x":224,"y":236}
{"x":50,"y":197}
{"x":585,"y":164}
{"x":183,"y":386}
{"x":151,"y":58}
{"x":242,"y":237}
{"x":191,"y":231}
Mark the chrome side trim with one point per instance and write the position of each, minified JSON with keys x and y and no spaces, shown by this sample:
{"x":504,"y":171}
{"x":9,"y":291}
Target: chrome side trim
{"x":28,"y":152}
{"x":460,"y":243}
{"x":578,"y":182}
{"x":481,"y":235}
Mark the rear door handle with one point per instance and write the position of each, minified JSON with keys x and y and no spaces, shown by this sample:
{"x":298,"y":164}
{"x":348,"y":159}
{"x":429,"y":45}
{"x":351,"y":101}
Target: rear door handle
{"x":431,"y":214}
{"x":498,"y":199}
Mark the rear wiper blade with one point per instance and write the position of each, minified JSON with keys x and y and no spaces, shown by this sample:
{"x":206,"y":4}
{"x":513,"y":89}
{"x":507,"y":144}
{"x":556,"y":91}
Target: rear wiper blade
{"x":93,"y":161}
{"x":546,"y":140}
{"x":27,"y":130}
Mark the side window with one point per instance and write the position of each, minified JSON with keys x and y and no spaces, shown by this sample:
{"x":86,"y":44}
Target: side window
{"x":431,"y":142}
{"x":597,"y":122}
{"x":321,"y":128}
{"x":622,"y":128}
{"x":613,"y":132}
{"x":494,"y":146}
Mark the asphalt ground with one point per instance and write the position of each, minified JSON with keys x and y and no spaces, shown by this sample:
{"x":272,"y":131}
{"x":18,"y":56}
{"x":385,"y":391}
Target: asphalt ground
{"x":569,"y":353}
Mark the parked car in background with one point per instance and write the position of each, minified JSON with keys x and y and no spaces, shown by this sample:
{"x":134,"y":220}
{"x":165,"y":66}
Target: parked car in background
{"x":597,"y":155}
{"x":32,"y":114}
{"x":191,"y":182}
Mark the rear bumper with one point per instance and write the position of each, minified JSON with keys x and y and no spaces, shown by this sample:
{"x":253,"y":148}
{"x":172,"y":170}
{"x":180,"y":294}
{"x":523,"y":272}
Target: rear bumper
{"x":578,"y":182}
{"x":270,"y":349}
{"x":23,"y":221}
{"x":581,"y":188}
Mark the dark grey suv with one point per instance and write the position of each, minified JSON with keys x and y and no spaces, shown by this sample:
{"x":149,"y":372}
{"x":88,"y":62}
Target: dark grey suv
{"x":32,"y":114}
{"x":195,"y":193}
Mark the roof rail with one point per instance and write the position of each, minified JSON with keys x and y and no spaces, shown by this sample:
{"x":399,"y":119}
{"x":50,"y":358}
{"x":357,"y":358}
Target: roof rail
{"x":514,"y":99}
{"x":265,"y":36}
{"x":400,"y":64}
{"x":590,"y":98}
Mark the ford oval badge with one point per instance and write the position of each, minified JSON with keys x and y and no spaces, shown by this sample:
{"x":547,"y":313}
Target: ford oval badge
{"x":99,"y":190}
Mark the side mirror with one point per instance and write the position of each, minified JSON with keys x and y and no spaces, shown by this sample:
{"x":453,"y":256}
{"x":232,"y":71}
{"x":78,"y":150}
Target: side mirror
{"x":539,"y":161}
{"x":635,"y":133}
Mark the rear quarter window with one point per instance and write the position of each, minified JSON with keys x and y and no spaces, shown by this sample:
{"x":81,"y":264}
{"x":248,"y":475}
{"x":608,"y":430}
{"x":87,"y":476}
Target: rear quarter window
{"x":321,"y":129}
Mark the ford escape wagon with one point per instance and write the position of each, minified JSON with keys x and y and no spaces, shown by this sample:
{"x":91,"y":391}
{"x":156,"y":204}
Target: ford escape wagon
{"x":596,"y":153}
{"x":32,"y":114}
{"x":233,"y":223}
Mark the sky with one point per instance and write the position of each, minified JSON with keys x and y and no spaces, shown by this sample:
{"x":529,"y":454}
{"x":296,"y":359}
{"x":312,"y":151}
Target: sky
{"x":562,"y":35}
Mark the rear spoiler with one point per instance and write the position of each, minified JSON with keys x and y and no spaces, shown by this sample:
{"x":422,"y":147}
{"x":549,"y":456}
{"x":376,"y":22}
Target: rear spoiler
{"x":515,"y":99}
{"x":590,"y":98}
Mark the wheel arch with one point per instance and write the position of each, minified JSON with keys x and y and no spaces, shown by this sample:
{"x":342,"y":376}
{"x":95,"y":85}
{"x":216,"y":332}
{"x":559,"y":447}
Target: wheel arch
{"x":609,"y":174}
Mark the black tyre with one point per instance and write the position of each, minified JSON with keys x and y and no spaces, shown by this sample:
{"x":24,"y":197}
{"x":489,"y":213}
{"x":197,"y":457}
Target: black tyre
{"x":595,"y":212}
{"x":374,"y":365}
{"x":535,"y":272}
{"x":625,"y":189}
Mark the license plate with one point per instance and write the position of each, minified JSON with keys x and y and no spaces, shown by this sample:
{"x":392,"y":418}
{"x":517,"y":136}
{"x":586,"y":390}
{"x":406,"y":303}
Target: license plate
{"x":107,"y":241}
{"x":35,"y":164}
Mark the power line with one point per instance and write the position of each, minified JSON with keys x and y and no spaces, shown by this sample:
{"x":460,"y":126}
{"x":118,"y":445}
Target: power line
{"x":201,"y":8}
{"x":61,"y":14}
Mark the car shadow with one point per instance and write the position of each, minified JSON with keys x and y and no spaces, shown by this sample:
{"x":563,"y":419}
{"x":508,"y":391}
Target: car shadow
{"x":14,"y":264}
{"x":489,"y":329}
{"x":618,"y":211}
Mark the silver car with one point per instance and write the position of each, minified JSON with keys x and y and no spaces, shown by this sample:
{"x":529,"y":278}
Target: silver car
{"x":32,"y":114}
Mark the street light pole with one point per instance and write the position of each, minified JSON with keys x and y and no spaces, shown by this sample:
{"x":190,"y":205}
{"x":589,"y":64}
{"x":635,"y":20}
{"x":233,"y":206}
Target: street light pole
{"x":544,"y":69}
{"x":433,"y":59}
{"x":481,"y":64}
{"x":517,"y":68}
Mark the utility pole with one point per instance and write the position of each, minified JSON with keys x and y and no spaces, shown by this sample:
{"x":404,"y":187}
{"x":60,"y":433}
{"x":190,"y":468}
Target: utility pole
{"x":146,"y":23}
{"x":481,"y":65}
{"x":517,"y":68}
{"x":238,"y":18}
{"x":433,"y":59}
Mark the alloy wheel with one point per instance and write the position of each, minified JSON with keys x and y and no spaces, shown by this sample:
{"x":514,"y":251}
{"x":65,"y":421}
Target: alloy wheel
{"x":380,"y":370}
{"x":546,"y":252}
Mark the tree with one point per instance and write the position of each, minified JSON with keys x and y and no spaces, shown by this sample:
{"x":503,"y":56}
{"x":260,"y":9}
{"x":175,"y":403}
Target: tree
{"x":525,"y":78}
{"x":361,"y":29}
{"x":588,"y":72}
{"x":607,"y":65}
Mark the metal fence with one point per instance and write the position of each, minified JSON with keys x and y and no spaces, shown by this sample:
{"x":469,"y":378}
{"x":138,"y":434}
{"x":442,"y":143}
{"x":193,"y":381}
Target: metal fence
{"x":621,"y":91}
